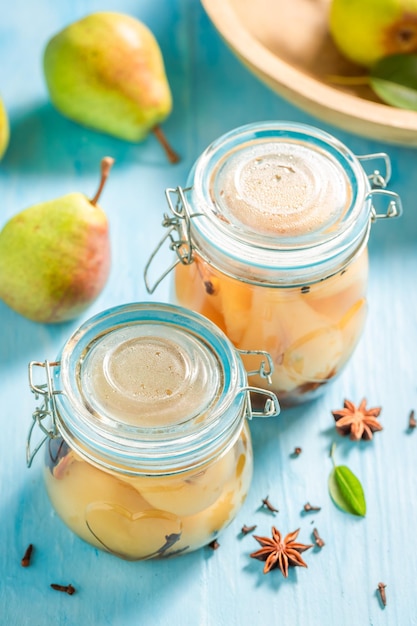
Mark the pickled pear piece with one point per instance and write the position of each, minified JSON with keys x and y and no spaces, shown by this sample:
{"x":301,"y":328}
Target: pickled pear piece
{"x":133,"y":535}
{"x":335,"y":295}
{"x":305,"y":347}
{"x":236,"y":301}
{"x":355,"y":273}
{"x":314,"y":357}
{"x":225,"y":301}
{"x":201,"y":528}
{"x":187,"y":286}
{"x":82,"y":485}
{"x":352,"y":325}
{"x":196,"y":290}
{"x":186,"y":493}
{"x":212,"y":314}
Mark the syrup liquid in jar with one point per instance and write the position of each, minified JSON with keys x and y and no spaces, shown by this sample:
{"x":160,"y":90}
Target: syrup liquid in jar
{"x":149,"y":454}
{"x":274,"y":250}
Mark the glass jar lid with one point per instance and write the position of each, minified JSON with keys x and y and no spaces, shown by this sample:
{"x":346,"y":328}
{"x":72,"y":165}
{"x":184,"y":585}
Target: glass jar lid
{"x":278,"y":197}
{"x":150,"y":388}
{"x":148,"y":375}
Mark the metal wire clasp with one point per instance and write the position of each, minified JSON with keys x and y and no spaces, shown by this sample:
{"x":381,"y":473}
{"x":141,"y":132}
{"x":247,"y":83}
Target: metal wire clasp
{"x":45,"y":415}
{"x":271,"y":407}
{"x":178,"y":224}
{"x":378,"y":189}
{"x":394,"y":209}
{"x":266,"y":367}
{"x":378,"y":180}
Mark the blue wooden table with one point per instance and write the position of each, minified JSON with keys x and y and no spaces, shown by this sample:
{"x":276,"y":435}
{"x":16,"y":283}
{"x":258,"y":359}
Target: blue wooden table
{"x":49,"y":156}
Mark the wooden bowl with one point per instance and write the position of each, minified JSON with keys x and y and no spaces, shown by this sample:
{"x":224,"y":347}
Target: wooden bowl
{"x":286,"y":43}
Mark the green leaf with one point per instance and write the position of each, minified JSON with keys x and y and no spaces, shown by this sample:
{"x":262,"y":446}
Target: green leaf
{"x":394,"y":79}
{"x":346,"y":491}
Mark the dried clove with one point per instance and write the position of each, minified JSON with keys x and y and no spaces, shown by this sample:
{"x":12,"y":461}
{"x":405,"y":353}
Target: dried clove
{"x":247,"y":529}
{"x":268,"y":505}
{"x":214,"y":544}
{"x":27,"y":556}
{"x":69,"y":589}
{"x":209,"y":287}
{"x":310,"y":507}
{"x":319,"y":541}
{"x":382,"y":594}
{"x":412,"y":423}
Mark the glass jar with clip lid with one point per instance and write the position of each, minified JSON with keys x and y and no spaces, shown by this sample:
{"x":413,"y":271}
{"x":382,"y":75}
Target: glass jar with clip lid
{"x":270,"y":240}
{"x":144,"y":418}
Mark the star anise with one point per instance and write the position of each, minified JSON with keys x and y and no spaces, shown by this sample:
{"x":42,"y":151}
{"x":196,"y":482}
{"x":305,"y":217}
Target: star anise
{"x":358,"y":422}
{"x":279,"y":552}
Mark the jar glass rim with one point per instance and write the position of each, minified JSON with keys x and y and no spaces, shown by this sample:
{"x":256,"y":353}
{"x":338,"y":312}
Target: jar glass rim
{"x":130,"y":448}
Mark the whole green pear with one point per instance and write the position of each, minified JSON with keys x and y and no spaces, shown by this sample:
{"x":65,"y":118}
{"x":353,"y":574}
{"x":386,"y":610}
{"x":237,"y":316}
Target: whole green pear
{"x":4,"y":129}
{"x":368,"y":30}
{"x":106,"y":72}
{"x":55,"y":256}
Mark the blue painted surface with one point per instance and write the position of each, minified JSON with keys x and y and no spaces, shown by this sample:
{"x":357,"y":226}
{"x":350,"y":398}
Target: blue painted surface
{"x":49,"y":156}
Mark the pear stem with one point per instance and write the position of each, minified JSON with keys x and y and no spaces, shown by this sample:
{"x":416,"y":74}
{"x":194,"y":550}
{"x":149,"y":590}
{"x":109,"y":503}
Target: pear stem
{"x":173,"y":157}
{"x":105,"y":167}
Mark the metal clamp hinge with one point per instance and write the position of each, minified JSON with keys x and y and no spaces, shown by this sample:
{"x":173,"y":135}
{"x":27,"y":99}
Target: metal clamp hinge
{"x":394,"y":209}
{"x":378,"y":187}
{"x":178,"y":234}
{"x":43,"y":416}
{"x":265,"y":370}
{"x":271,"y":408}
{"x":266,"y":367}
{"x":378,"y":180}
